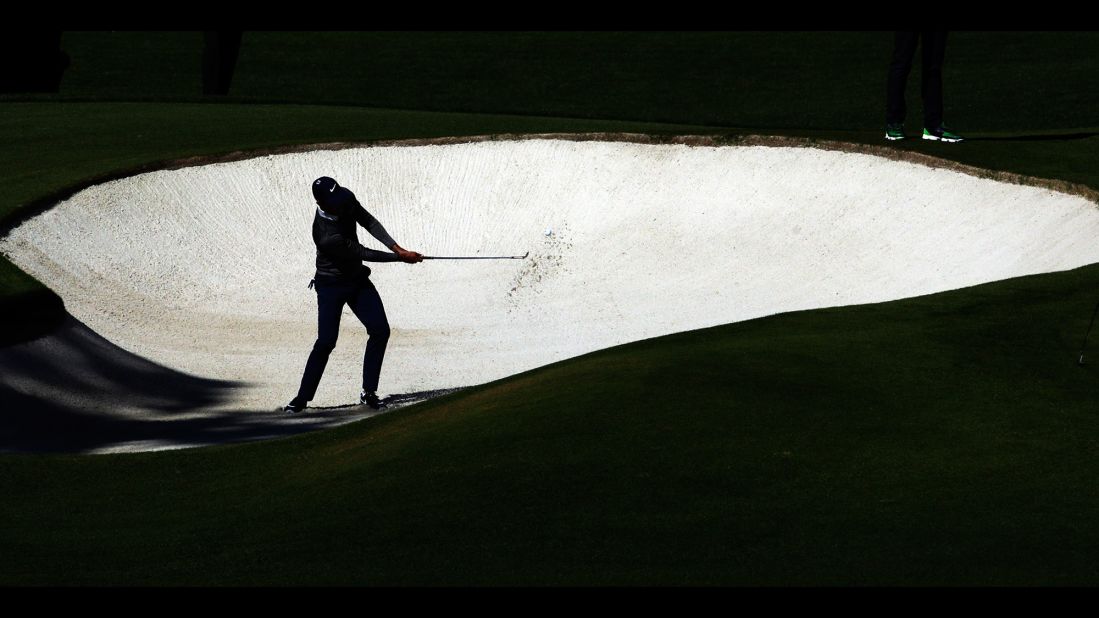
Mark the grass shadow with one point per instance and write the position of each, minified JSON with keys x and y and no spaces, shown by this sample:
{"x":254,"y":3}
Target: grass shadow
{"x":74,"y":391}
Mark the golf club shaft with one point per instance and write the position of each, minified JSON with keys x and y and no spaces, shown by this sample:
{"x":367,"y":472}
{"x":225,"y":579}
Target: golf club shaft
{"x":478,"y":257}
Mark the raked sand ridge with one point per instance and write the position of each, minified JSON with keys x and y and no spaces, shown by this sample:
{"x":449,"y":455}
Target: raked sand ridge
{"x":204,"y":269}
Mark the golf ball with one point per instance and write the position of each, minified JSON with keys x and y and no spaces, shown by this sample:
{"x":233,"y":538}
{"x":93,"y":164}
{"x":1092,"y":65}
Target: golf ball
{"x":548,"y":232}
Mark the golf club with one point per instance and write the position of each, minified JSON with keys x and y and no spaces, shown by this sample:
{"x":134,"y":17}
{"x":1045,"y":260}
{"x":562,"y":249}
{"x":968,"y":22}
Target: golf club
{"x":1080,"y":361}
{"x":500,"y":257}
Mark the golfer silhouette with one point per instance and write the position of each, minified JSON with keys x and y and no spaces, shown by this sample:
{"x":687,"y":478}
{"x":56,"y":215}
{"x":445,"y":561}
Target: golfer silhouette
{"x":342,"y":279}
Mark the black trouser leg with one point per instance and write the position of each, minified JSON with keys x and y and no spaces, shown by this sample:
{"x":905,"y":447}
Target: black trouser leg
{"x":904,"y":50}
{"x":931,"y":84}
{"x":367,"y":305}
{"x":330,"y":301}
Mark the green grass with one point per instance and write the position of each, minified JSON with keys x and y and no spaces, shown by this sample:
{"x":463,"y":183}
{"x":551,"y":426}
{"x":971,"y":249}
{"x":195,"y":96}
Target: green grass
{"x":942,"y":440}
{"x":994,"y":81}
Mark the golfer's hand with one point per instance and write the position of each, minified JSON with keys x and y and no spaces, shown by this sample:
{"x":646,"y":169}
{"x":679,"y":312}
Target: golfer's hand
{"x":408,"y":257}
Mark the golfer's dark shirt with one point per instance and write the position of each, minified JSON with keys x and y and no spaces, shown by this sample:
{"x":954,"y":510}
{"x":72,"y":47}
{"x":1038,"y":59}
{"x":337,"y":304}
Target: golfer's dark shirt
{"x":339,"y":255}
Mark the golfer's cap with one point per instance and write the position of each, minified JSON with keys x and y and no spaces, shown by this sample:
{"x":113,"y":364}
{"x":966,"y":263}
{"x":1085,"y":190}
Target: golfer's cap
{"x":323,"y":190}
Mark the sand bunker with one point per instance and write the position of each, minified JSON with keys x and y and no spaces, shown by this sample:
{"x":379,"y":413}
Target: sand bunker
{"x":204,"y":269}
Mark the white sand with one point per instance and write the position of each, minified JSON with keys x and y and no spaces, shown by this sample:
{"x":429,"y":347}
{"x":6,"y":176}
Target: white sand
{"x":204,"y":269}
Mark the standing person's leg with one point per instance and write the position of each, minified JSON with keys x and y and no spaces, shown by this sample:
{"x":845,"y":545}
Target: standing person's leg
{"x":367,"y":305}
{"x":330,"y":301}
{"x":931,"y":83}
{"x":904,"y":50}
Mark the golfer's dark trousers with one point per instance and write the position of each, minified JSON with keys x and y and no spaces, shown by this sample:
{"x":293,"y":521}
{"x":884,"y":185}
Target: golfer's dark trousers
{"x":366,"y":304}
{"x":933,"y":43}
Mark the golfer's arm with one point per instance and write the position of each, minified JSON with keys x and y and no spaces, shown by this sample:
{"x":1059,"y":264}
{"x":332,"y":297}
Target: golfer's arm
{"x":374,"y":227}
{"x":373,"y":255}
{"x":347,"y":248}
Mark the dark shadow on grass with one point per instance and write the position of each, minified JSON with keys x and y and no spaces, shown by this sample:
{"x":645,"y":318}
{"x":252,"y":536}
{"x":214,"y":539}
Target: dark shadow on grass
{"x":1034,"y":138}
{"x":397,"y":400}
{"x":75,"y":392}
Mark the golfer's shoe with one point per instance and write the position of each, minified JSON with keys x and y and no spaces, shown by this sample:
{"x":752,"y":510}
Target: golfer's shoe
{"x":894,"y":132}
{"x":942,"y":134}
{"x":371,"y":399}
{"x":294,"y":406}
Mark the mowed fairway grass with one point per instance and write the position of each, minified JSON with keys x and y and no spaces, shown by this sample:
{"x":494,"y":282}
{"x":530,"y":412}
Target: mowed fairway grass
{"x":941,"y":440}
{"x":948,"y":439}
